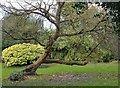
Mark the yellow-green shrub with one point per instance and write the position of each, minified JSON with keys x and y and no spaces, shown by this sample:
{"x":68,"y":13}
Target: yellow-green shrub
{"x":22,"y":54}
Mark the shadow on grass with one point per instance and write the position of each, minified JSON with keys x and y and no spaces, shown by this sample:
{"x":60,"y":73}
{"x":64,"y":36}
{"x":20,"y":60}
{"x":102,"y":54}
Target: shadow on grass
{"x":44,"y":66}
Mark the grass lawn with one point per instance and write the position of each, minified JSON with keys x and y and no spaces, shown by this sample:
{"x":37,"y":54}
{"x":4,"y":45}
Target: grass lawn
{"x":64,"y":75}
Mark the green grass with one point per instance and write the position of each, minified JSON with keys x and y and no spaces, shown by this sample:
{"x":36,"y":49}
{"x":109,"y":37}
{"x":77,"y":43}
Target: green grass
{"x":98,"y":74}
{"x":104,"y":68}
{"x":7,"y":70}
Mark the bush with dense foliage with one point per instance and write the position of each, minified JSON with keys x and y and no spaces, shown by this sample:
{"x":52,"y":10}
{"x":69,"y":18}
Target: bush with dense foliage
{"x":22,"y":54}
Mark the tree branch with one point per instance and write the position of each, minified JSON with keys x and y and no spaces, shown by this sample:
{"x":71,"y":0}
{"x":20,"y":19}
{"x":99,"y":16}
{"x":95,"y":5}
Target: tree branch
{"x":82,"y":31}
{"x":65,"y":62}
{"x":95,"y":47}
{"x":34,"y":9}
{"x":79,"y":33}
{"x":60,"y":5}
{"x":22,"y":38}
{"x":57,"y":24}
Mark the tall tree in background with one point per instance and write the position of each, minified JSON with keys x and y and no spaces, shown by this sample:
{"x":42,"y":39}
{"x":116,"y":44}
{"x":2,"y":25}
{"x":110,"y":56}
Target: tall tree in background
{"x":19,"y":29}
{"x":113,"y":32}
{"x":114,"y":10}
{"x":43,"y":9}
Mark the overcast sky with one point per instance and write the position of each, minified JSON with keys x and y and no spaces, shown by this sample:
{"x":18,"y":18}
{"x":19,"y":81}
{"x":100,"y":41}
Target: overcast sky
{"x":1,"y":15}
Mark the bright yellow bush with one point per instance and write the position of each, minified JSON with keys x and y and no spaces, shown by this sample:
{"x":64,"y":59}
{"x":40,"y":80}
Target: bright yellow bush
{"x":22,"y":54}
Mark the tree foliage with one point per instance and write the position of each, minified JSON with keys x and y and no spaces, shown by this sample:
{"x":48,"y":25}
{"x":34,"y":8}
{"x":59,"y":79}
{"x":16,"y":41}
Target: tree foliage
{"x":114,"y":9}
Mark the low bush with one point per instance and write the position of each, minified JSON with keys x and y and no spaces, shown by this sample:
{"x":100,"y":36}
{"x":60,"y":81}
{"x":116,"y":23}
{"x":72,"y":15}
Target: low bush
{"x":107,"y":58}
{"x":22,"y":54}
{"x":16,"y":76}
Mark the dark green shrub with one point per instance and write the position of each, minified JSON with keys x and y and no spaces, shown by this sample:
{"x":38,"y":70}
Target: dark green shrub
{"x":107,"y":58}
{"x":16,"y":76}
{"x":22,"y":54}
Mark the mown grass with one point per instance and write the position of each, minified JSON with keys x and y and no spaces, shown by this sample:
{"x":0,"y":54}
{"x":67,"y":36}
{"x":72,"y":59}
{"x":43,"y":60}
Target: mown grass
{"x":97,"y":68}
{"x":98,"y":74}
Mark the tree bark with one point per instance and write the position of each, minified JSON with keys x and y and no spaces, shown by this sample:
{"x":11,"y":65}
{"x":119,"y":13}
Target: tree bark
{"x":65,"y":62}
{"x":31,"y":69}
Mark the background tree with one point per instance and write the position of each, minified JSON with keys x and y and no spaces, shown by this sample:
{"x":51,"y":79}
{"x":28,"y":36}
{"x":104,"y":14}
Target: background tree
{"x":19,"y":29}
{"x":113,"y":26}
{"x":114,"y":10}
{"x":41,"y":8}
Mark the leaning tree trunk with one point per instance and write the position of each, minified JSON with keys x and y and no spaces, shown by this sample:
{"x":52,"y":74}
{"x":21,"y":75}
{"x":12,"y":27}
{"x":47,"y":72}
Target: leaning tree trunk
{"x":31,"y":69}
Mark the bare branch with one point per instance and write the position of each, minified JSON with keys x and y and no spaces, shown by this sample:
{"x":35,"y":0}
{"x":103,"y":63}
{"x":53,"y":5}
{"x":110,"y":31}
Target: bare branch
{"x":43,"y":10}
{"x":92,"y":30}
{"x":57,"y":24}
{"x":81,"y":32}
{"x":49,"y":6}
{"x":59,"y":9}
{"x":20,"y":5}
{"x":21,"y":37}
{"x":36,"y":10}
